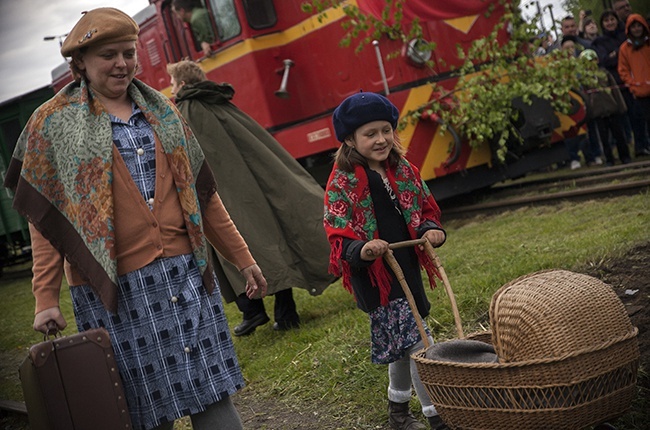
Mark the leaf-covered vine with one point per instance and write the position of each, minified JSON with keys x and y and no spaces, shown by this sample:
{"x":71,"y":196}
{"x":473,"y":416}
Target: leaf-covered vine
{"x":494,"y":71}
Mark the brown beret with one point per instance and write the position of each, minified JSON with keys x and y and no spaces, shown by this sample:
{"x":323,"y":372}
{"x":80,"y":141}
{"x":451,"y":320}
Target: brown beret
{"x":102,"y":25}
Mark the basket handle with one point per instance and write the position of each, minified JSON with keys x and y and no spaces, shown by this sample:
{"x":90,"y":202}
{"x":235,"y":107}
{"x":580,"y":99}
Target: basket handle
{"x":392,"y":262}
{"x":431,"y":253}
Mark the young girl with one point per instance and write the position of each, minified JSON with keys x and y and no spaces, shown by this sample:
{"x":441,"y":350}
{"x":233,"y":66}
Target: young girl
{"x":374,"y":197}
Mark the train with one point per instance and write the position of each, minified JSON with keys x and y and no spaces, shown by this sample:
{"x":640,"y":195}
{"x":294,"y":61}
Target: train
{"x":14,"y":232}
{"x":290,"y":71}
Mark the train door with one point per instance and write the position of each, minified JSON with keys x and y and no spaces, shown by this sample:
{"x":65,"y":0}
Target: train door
{"x":13,"y":228}
{"x":14,"y":233}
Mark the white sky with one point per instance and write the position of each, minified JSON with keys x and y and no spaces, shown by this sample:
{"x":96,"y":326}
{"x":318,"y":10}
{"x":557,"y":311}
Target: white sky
{"x":26,"y":60}
{"x":529,"y":9}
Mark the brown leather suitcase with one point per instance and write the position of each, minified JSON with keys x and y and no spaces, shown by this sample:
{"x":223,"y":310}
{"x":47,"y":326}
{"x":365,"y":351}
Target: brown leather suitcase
{"x":72,"y":383}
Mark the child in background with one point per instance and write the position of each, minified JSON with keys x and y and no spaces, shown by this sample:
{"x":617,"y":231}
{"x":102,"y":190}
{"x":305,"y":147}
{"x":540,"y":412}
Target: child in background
{"x":374,"y":197}
{"x":634,"y":61}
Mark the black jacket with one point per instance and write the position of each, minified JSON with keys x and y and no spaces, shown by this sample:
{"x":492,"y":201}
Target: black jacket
{"x":604,"y":46}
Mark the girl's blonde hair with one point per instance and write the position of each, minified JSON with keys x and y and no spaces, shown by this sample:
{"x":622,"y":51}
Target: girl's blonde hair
{"x":346,"y":157}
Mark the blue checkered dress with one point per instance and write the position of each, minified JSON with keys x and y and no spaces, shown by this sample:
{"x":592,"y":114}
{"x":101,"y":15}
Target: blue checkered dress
{"x":171,"y":339}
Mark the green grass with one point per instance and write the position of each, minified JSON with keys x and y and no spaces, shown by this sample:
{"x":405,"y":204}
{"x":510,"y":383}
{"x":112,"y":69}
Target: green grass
{"x":325,"y":365}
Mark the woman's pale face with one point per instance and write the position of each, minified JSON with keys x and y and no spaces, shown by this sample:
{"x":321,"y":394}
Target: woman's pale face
{"x":374,"y":142}
{"x":591,"y":28}
{"x":610,"y":23}
{"x":110,"y":67}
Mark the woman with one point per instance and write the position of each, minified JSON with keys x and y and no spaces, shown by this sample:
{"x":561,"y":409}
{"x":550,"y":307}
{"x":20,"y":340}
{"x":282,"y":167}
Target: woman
{"x":607,"y":47}
{"x":120,"y":198}
{"x":587,"y":27}
{"x":608,"y":44}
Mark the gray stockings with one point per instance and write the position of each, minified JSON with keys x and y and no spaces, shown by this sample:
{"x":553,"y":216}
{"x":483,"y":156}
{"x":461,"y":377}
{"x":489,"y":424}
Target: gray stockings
{"x":402,"y":374}
{"x":220,"y":415}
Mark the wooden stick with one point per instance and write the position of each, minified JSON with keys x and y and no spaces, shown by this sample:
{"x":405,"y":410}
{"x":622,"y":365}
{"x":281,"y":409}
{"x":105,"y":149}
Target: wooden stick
{"x":394,"y":265}
{"x":436,"y":261}
{"x":406,"y":243}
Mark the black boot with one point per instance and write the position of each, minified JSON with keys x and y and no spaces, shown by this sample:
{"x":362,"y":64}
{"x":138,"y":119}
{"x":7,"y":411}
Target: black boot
{"x":401,"y":418}
{"x":248,"y":326}
{"x":437,"y":423}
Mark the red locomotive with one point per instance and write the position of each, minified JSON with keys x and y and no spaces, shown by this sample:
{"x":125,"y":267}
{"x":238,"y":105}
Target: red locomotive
{"x":290,"y":72}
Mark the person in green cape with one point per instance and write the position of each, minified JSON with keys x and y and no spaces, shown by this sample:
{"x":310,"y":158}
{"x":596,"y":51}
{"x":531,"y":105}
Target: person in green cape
{"x":275,"y":203}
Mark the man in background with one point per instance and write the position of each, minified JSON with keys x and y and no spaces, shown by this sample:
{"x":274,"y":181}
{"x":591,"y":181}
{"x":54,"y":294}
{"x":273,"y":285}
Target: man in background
{"x":569,"y":27}
{"x":193,"y":13}
{"x":623,"y":10}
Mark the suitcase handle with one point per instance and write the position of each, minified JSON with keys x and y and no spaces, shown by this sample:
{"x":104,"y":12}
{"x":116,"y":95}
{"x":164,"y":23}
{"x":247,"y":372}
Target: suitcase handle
{"x":52,"y":330}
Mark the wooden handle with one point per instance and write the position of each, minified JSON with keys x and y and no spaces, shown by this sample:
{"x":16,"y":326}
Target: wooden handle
{"x":390,"y":259}
{"x":443,"y":275}
{"x":436,"y":261}
{"x":406,"y":243}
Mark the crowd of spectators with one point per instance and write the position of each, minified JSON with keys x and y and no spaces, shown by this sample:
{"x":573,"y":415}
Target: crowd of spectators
{"x":605,"y":38}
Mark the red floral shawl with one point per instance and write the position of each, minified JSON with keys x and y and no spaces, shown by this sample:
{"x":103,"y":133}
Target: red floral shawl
{"x":349,"y":213}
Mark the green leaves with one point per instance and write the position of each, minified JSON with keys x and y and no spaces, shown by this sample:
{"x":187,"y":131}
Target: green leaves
{"x":494,"y":72}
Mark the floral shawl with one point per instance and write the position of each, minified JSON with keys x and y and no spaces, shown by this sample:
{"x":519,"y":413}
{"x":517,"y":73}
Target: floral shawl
{"x":62,"y":174}
{"x":349,"y":214}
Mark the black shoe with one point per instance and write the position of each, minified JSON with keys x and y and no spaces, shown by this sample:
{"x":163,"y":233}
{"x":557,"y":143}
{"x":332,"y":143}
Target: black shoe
{"x":642,"y":153}
{"x":285,"y":325}
{"x":248,"y":326}
{"x":436,"y":423}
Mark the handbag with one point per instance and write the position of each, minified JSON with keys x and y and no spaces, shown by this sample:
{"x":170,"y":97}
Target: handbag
{"x":73,"y":383}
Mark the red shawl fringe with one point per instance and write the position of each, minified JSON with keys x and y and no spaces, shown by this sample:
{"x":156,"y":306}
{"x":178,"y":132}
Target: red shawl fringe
{"x":380,"y":278}
{"x":432,"y":271}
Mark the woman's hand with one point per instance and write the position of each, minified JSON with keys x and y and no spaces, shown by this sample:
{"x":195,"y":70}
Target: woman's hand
{"x":435,"y":237}
{"x":255,"y":282}
{"x":374,"y":249}
{"x":46,"y":319}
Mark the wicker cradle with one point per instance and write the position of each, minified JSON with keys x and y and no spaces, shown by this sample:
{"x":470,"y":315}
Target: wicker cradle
{"x":568,"y":359}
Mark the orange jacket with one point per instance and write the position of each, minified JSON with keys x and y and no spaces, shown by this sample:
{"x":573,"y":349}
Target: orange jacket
{"x":634,"y":61}
{"x":141,"y":234}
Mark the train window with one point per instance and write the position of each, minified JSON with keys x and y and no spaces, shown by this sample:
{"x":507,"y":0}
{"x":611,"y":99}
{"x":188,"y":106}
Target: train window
{"x":194,"y":14}
{"x":226,"y":17}
{"x":260,"y":13}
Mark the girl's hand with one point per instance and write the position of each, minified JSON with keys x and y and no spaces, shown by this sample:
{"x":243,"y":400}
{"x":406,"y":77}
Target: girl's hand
{"x":255,"y":282}
{"x":435,"y":237}
{"x":374,"y":249}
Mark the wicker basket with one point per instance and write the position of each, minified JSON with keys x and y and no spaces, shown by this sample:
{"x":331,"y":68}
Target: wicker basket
{"x":553,"y":313}
{"x":557,"y":373}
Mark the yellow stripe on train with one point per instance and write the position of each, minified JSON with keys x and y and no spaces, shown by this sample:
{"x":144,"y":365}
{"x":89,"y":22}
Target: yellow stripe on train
{"x":442,"y":142}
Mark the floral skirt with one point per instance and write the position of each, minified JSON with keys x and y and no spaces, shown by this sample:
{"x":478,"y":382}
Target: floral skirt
{"x":393,"y":330}
{"x":171,"y":340}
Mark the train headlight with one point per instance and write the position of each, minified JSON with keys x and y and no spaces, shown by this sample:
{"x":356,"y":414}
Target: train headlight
{"x":418,"y":51}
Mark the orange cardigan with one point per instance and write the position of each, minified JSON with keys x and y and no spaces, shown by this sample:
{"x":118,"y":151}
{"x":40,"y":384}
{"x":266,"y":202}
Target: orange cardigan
{"x":141,"y":234}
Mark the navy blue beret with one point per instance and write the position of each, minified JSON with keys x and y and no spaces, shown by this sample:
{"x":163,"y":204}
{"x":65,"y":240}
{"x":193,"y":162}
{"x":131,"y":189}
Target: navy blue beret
{"x":362,"y":108}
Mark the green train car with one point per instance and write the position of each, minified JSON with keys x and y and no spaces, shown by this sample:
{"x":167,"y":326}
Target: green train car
{"x":14,"y":234}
